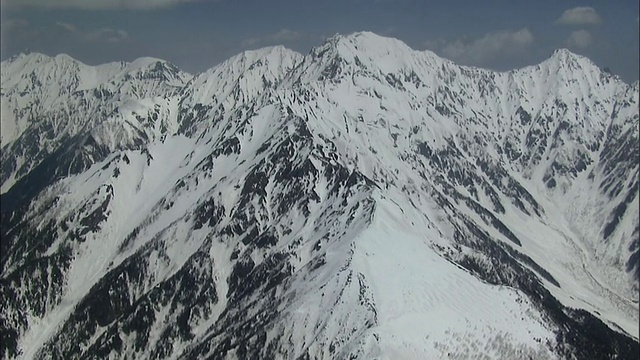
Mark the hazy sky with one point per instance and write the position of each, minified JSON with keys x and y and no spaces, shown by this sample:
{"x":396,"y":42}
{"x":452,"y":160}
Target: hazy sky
{"x":198,"y":34}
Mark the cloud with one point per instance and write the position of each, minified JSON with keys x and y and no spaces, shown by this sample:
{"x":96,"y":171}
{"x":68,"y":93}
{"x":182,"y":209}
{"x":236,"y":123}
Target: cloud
{"x":10,"y":24}
{"x":580,"y":39}
{"x":107,"y":35}
{"x":282,"y":36}
{"x":14,"y":29}
{"x":490,"y":46}
{"x":97,"y":4}
{"x":67,"y":26}
{"x":581,"y":15}
{"x":388,"y":31}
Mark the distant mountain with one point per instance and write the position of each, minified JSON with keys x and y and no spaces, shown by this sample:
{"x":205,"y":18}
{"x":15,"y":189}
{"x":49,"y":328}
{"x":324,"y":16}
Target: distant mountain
{"x":363,"y":201}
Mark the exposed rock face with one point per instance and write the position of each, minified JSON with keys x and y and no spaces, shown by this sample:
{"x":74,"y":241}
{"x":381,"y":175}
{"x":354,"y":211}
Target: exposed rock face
{"x":363,"y":201}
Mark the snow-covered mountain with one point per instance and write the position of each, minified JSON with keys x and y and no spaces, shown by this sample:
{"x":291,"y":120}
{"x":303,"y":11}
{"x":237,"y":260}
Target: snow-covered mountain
{"x":362,"y":201}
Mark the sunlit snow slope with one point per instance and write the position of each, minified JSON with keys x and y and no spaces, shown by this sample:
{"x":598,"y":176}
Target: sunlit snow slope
{"x":365,"y":201}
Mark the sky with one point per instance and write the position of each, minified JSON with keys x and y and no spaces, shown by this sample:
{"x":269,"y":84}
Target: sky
{"x":196,"y":35}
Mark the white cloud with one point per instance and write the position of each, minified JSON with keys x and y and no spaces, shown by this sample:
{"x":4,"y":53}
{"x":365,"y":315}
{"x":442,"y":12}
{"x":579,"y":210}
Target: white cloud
{"x":16,"y":28}
{"x":282,"y":36}
{"x":10,"y":24}
{"x":97,"y":4}
{"x":67,"y":26}
{"x":581,"y":15}
{"x":580,"y":39}
{"x":107,"y":35}
{"x":488,"y":47}
{"x":285,"y":35}
{"x":388,"y":31}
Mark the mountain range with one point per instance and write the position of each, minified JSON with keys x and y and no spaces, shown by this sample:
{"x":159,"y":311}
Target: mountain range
{"x":362,"y":201}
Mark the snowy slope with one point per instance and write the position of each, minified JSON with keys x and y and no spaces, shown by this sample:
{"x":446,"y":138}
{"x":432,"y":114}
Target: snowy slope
{"x":50,"y":101}
{"x":363,"y":201}
{"x":467,"y":137}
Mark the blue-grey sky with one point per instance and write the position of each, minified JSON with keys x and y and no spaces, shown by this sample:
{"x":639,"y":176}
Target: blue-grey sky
{"x":198,"y":34}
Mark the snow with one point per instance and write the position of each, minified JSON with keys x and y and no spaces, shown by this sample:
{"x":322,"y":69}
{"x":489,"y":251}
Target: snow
{"x":92,"y":77}
{"x":424,"y":301}
{"x":384,"y":263}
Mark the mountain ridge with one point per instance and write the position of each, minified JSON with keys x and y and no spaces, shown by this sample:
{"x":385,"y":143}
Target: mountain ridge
{"x":560,"y":53}
{"x":275,"y":181}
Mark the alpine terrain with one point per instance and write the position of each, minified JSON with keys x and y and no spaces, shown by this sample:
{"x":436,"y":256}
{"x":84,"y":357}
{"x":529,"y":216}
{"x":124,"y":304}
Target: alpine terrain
{"x":363,"y":201}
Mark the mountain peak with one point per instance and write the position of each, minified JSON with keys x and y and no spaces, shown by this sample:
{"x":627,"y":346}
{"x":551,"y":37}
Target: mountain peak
{"x":272,"y":59}
{"x":368,"y":36}
{"x":365,"y":41}
{"x":571,"y":65}
{"x":570,"y":59}
{"x":364,"y":50}
{"x":145,"y":62}
{"x":26,"y":57}
{"x":36,"y":57}
{"x":278,"y":52}
{"x":64,"y":57}
{"x":563,"y":54}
